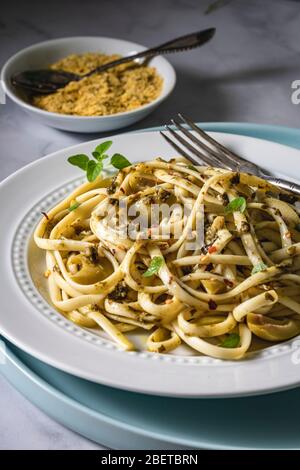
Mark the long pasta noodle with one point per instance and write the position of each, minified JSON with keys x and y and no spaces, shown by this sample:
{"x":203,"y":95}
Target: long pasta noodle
{"x":218,"y":267}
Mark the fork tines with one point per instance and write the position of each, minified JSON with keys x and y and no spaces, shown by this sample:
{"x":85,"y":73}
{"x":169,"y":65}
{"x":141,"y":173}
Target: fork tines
{"x":199,"y":147}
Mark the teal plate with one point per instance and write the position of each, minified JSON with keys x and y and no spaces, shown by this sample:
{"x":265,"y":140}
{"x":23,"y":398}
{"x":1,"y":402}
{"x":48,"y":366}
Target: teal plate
{"x":126,"y":420}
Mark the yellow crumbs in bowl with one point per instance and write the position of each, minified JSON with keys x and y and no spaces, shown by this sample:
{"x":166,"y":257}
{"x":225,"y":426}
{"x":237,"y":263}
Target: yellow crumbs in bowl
{"x":122,"y":88}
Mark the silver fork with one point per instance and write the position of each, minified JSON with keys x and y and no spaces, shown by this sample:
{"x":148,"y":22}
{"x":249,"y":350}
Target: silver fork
{"x":202,"y":149}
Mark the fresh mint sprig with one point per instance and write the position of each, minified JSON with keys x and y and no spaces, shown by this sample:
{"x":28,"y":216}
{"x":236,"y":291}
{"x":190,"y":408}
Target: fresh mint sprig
{"x":94,"y":166}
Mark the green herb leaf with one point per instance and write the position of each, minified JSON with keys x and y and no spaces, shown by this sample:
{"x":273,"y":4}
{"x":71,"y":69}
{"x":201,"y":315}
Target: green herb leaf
{"x":192,"y":167}
{"x":101,"y":148}
{"x":154,"y":267}
{"x":238,"y":204}
{"x":232,"y":341}
{"x":80,"y":160}
{"x":93,"y":170}
{"x":119,"y":161}
{"x":98,"y":156}
{"x":258,"y":268}
{"x":74,"y":206}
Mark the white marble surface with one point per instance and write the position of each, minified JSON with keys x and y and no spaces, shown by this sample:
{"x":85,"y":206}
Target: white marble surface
{"x":245,"y":74}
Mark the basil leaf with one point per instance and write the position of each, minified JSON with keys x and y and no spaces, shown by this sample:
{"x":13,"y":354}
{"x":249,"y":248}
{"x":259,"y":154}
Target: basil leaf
{"x":93,"y":170}
{"x":80,"y":160}
{"x":119,"y":161}
{"x":232,"y":341}
{"x":154,"y":266}
{"x":74,"y":206}
{"x":236,"y":205}
{"x":258,"y":268}
{"x":101,"y":148}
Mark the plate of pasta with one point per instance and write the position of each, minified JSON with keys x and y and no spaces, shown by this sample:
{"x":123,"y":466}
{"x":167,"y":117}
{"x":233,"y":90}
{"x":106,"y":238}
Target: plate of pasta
{"x":133,"y":268}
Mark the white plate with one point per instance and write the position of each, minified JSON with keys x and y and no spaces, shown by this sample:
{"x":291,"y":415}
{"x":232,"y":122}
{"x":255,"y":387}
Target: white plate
{"x":44,"y":53}
{"x":32,"y":324}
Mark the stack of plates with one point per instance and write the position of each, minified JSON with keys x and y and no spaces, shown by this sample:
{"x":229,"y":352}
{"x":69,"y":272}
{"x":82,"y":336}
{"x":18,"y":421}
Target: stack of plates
{"x":139,"y":400}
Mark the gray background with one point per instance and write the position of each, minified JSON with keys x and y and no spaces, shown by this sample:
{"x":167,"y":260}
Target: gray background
{"x":244,"y":74}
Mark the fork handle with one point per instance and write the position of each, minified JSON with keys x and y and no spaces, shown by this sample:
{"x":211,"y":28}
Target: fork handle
{"x":284,"y":184}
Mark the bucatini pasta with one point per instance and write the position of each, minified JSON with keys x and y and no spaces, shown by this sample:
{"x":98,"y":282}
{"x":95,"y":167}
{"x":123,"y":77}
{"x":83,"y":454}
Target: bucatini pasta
{"x":214,"y":289}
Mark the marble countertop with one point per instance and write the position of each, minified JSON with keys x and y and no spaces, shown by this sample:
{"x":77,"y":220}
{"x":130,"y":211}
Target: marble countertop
{"x":244,"y":74}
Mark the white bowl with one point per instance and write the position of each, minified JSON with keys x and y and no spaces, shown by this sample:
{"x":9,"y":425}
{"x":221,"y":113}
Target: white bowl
{"x":44,"y":53}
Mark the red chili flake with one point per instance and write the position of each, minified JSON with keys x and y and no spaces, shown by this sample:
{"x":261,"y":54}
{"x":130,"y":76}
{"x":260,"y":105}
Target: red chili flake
{"x":212,"y":249}
{"x":212,"y":304}
{"x":228,"y":283}
{"x":45,"y":215}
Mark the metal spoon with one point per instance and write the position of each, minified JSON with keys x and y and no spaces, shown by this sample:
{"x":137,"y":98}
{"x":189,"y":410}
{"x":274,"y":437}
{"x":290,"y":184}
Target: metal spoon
{"x":48,"y":81}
